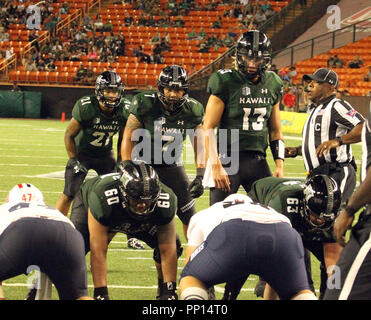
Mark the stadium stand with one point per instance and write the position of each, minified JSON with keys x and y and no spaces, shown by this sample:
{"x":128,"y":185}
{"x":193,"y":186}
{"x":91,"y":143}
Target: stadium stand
{"x":351,"y":79}
{"x":193,"y":54}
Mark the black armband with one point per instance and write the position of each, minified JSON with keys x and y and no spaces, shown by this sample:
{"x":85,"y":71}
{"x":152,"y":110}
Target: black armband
{"x":200,"y":172}
{"x":340,"y":141}
{"x":278,"y":149}
{"x":351,"y":211}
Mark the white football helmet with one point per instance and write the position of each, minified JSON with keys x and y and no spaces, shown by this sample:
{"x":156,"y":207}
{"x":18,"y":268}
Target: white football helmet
{"x":25,"y":192}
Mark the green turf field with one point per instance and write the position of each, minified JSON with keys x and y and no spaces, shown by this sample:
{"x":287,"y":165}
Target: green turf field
{"x":33,"y":151}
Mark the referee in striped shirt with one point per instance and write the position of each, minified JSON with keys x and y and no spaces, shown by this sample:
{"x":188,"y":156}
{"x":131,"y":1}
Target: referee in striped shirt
{"x":354,"y":264}
{"x":332,"y":125}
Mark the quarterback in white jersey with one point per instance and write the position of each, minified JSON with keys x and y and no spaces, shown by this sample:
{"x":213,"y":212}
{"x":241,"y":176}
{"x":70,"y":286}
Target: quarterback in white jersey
{"x":237,"y":237}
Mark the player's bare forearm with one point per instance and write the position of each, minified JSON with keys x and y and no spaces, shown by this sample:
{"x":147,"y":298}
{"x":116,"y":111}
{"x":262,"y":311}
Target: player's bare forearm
{"x":363,"y":195}
{"x":166,"y":236}
{"x":127,"y":144}
{"x":71,"y":132}
{"x":199,"y":149}
{"x":354,"y":135}
{"x":98,"y":251}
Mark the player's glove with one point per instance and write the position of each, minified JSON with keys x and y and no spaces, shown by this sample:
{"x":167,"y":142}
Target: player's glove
{"x":168,"y":291}
{"x":233,"y":288}
{"x":101,"y":293}
{"x":77,"y":167}
{"x":196,"y":188}
{"x":120,"y":166}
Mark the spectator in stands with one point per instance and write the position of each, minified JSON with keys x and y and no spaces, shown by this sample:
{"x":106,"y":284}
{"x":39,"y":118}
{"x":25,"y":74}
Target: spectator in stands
{"x":368,"y":74}
{"x":65,"y":8}
{"x":202,"y":34}
{"x":166,"y":41}
{"x":156,"y":54}
{"x":128,"y":20}
{"x":30,"y":64}
{"x":107,"y":27}
{"x":274,"y":68}
{"x":81,"y":74}
{"x":98,"y":24}
{"x":231,"y":33}
{"x":51,"y":65}
{"x":269,"y":12}
{"x":173,"y":7}
{"x":33,"y":36}
{"x":142,"y":20}
{"x":301,"y":101}
{"x":288,"y":100}
{"x":93,"y":54}
{"x":9,"y":51}
{"x":4,"y":36}
{"x":292,"y":73}
{"x":156,"y":39}
{"x":218,"y":23}
{"x":179,"y":22}
{"x":192,"y":34}
{"x":331,"y":61}
{"x":227,"y":40}
{"x":338,"y":63}
{"x":264,"y":6}
{"x":260,"y":17}
{"x":283,"y":75}
{"x":356,"y":63}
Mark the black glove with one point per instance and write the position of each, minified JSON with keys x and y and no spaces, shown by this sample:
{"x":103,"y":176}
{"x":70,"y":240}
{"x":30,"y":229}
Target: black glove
{"x":101,"y":293}
{"x":196,"y":188}
{"x":233,"y":288}
{"x":77,"y":167}
{"x":168,"y":291}
{"x":120,"y":166}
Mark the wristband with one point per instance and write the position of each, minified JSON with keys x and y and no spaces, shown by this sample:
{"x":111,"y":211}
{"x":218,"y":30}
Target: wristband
{"x":170,"y":286}
{"x":101,"y":293}
{"x":351,"y":211}
{"x":340,"y":141}
{"x":278,"y":149}
{"x":200,"y":172}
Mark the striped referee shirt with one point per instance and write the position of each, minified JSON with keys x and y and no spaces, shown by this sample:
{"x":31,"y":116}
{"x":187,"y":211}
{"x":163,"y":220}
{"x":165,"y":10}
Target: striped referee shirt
{"x":332,"y":118}
{"x":366,"y":146}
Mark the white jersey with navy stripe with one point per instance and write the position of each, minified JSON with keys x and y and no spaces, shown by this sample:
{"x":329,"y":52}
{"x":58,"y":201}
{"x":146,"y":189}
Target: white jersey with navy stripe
{"x":11,"y":212}
{"x":235,"y":206}
{"x":331,"y":119}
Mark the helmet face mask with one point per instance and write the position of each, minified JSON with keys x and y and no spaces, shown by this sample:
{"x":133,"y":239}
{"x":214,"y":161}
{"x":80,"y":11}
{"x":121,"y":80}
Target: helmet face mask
{"x":173,"y":89}
{"x":140,"y":188}
{"x":322,"y":199}
{"x":109,"y":89}
{"x":253,"y":54}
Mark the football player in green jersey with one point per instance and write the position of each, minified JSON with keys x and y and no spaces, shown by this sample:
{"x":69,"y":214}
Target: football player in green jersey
{"x":244,"y":105}
{"x":89,"y":135}
{"x":311,"y":207}
{"x":163,"y":119}
{"x":132,"y":202}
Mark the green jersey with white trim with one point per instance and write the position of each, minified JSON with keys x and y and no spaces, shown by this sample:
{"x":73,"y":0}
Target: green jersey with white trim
{"x":166,"y":132}
{"x":103,"y":197}
{"x":247,"y":107}
{"x":96,"y":135}
{"x":286,"y":197}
